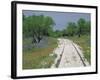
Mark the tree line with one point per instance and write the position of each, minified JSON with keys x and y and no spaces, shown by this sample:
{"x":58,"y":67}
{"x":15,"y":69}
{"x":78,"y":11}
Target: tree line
{"x":81,"y":27}
{"x":38,"y":26}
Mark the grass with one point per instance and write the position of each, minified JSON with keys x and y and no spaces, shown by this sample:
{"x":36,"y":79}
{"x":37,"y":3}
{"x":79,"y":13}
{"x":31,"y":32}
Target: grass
{"x":84,"y":43}
{"x":40,"y":57}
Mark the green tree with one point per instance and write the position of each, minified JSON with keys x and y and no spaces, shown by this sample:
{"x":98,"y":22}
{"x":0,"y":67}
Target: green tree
{"x":88,"y":27}
{"x":81,"y":26}
{"x":37,"y":26}
{"x":64,"y":32}
{"x":71,"y":29}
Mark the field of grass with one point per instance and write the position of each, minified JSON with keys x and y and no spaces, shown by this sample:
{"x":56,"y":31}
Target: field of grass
{"x":85,"y":43}
{"x":40,"y":57}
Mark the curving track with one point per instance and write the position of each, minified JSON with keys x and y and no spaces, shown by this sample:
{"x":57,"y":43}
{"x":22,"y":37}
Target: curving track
{"x":69,"y":55}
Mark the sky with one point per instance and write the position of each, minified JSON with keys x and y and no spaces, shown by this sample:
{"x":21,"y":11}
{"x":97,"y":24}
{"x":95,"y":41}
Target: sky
{"x":61,"y":18}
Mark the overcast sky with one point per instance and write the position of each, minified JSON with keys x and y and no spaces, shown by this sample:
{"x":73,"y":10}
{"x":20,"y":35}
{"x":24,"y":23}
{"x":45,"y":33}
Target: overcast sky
{"x":61,"y":18}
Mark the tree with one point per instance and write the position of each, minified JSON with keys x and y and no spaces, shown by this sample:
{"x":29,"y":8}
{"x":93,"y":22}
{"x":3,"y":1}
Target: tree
{"x":81,"y":26}
{"x":48,"y":23}
{"x":37,"y":26}
{"x":71,"y":29}
{"x":88,"y":27}
{"x":64,"y":32}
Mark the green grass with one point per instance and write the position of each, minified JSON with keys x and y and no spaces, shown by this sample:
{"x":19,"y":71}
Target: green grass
{"x":40,"y":57}
{"x":84,"y":43}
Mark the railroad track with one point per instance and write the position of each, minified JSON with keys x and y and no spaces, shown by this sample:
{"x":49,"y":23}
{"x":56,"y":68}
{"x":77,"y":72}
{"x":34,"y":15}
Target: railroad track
{"x":63,"y":54}
{"x":58,"y":61}
{"x":82,"y":60}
